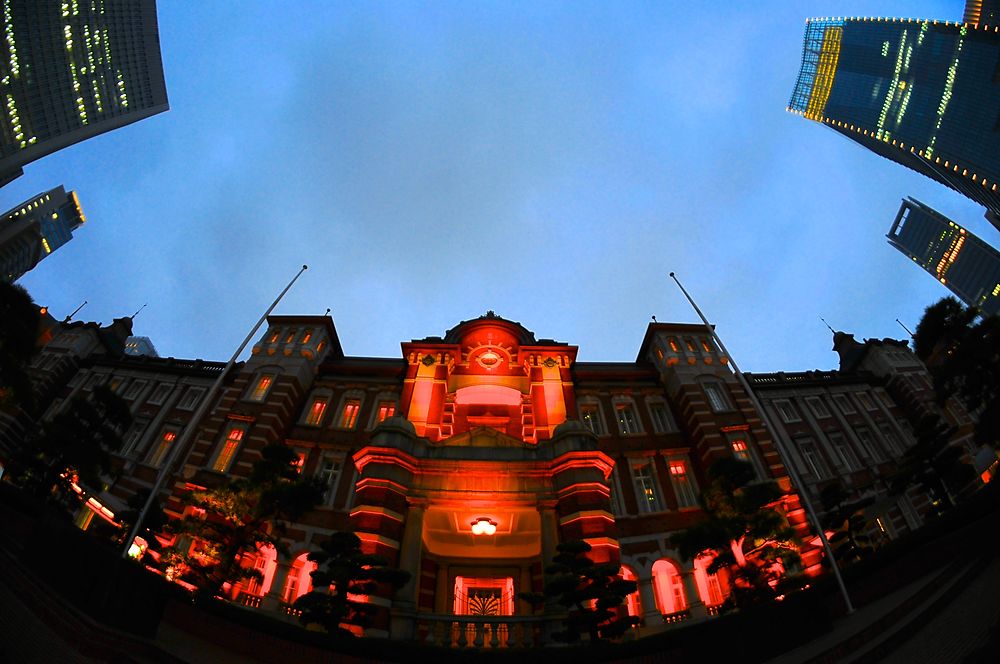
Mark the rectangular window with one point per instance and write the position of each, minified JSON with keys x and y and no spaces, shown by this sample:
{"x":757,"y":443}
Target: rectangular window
{"x":892,"y":440}
{"x":229,"y":447}
{"x":627,"y":422}
{"x":191,"y":398}
{"x":115,"y":383}
{"x":94,"y":381}
{"x":645,"y":488}
{"x":261,"y":387}
{"x":682,"y":484}
{"x":160,"y":394}
{"x":868,"y":445}
{"x":865,"y":400}
{"x":662,"y":420}
{"x":786,"y":411}
{"x":590,"y":413}
{"x":133,"y":390}
{"x":818,"y":408}
{"x":349,"y":413}
{"x":844,"y":404}
{"x":742,"y":451}
{"x":386,"y":409}
{"x":131,"y":440}
{"x":314,"y":417}
{"x":845,"y":456}
{"x":159,"y":453}
{"x":329,"y":471}
{"x":306,"y":336}
{"x":716,"y":397}
{"x":811,"y":456}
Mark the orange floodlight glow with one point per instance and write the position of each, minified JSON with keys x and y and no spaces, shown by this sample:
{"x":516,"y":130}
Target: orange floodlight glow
{"x":484,"y":526}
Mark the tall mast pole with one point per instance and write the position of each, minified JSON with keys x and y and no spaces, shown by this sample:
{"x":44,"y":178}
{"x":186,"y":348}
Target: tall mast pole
{"x":780,"y":445}
{"x":192,"y":424}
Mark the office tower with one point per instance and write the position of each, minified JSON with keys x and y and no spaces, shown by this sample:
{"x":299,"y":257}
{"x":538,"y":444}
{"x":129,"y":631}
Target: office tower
{"x":982,"y":12}
{"x":74,"y":69}
{"x":925,"y":94}
{"x":140,"y":346}
{"x":969,"y":267}
{"x":35,"y":228}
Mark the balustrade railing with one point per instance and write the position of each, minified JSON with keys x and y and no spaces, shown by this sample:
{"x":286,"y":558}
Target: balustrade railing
{"x":480,"y":632}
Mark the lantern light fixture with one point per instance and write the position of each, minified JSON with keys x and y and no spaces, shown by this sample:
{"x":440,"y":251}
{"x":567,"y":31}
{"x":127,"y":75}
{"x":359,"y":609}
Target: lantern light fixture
{"x":484,"y":526}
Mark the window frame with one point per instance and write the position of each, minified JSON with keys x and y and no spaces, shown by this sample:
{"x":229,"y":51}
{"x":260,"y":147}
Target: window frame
{"x":843,"y":402}
{"x":135,"y":388}
{"x":786,"y":416}
{"x":332,"y":482}
{"x":161,"y":450}
{"x":625,"y":407}
{"x":593,"y":407}
{"x":222,"y":446}
{"x":255,"y":392}
{"x":323,"y":397}
{"x":189,"y":402}
{"x":687,"y":498}
{"x":161,"y":392}
{"x":347,"y":398}
{"x":666,"y":424}
{"x":818,"y":408}
{"x":649,"y":498}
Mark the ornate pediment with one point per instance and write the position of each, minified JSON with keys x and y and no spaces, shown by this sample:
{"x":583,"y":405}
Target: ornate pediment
{"x":483,"y":437}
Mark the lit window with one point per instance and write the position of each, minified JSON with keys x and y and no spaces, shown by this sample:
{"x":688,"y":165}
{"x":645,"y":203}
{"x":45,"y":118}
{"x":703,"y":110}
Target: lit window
{"x":291,"y":336}
{"x":673,"y":345}
{"x":229,"y":447}
{"x":349,"y":413}
{"x":159,"y":454}
{"x":704,"y":344}
{"x":682,"y":484}
{"x":386,"y":409}
{"x":306,"y":337}
{"x":662,"y":420}
{"x":273,"y":337}
{"x":627,"y":422}
{"x":261,"y":387}
{"x":645,"y":488}
{"x":316,"y":410}
{"x":590,"y":415}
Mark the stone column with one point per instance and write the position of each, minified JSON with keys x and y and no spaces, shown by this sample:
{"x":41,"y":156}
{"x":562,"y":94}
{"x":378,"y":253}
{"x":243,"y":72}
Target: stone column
{"x":404,"y":605}
{"x":550,"y":532}
{"x":696,"y":608}
{"x":651,"y":615}
{"x":441,"y":592}
{"x":272,"y":600}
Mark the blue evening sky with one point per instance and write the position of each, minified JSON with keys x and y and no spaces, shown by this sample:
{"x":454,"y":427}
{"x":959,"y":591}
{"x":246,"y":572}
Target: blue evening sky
{"x":552,"y":162}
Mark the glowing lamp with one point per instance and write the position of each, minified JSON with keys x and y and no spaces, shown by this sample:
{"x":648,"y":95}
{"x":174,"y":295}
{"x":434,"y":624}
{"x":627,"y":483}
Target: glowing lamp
{"x":484,"y":526}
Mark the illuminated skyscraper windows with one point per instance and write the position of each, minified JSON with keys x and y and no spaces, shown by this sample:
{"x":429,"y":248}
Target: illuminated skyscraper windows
{"x":73,"y":70}
{"x":36,"y":228}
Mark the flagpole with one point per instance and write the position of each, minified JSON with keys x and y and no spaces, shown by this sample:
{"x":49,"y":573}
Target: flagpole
{"x":780,"y":445}
{"x":188,"y":430}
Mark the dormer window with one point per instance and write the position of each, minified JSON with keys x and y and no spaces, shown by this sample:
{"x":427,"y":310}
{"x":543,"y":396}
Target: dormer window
{"x":306,"y":336}
{"x":260,"y":387}
{"x":290,"y":338}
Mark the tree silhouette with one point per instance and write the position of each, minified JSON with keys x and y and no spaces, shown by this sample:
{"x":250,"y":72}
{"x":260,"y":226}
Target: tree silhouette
{"x":349,"y":574}
{"x":747,"y":535}
{"x":19,"y":320}
{"x":846,"y":518}
{"x":234,"y":521}
{"x":593,"y":594}
{"x":76,"y":443}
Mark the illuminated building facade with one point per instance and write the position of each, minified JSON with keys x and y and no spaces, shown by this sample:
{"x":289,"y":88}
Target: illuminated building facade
{"x":34,"y":229}
{"x":71,"y":70}
{"x":985,"y":12}
{"x":139,"y":346}
{"x":922,"y":93}
{"x":467,"y":458}
{"x":969,"y":267}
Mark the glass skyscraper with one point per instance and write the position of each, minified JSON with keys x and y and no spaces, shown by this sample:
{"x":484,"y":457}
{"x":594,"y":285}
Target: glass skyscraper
{"x":923,"y":93}
{"x":969,"y":267}
{"x":73,"y":69}
{"x":35,"y":228}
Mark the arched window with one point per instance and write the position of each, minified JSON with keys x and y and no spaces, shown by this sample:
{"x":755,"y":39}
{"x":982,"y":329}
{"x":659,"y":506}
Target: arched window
{"x":632,"y":599}
{"x":264,"y":562}
{"x":299,"y":579}
{"x":669,"y":587}
{"x":710,"y":587}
